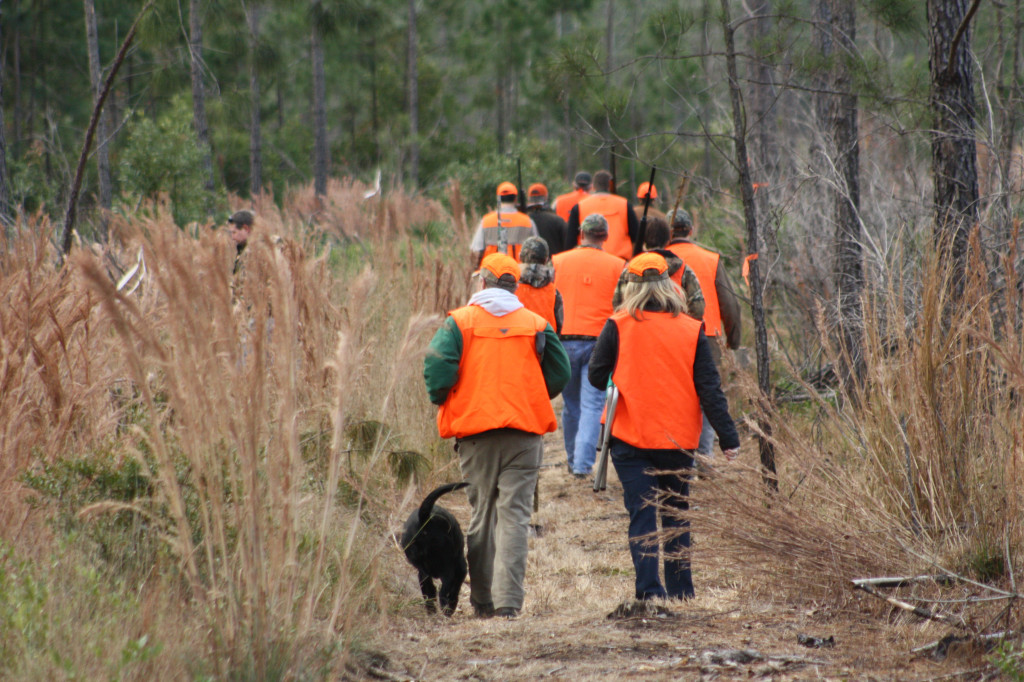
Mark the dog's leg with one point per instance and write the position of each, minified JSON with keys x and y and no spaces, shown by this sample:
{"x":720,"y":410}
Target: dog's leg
{"x":450,"y":586}
{"x":429,"y":592}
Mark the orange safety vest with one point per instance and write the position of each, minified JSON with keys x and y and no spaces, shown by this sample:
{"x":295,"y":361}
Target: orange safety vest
{"x":540,"y":300}
{"x":500,"y":382}
{"x":658,"y":405}
{"x":614,"y":209}
{"x":586,"y":278}
{"x":518,"y":228}
{"x":704,"y":264}
{"x":565,"y":202}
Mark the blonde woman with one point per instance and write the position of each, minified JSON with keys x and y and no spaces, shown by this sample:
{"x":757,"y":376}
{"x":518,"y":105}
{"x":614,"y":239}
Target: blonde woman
{"x":660,"y":360}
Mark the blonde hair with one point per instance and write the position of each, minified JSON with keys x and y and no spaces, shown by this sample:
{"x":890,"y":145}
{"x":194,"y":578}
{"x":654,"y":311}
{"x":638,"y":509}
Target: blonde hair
{"x":664,"y":293}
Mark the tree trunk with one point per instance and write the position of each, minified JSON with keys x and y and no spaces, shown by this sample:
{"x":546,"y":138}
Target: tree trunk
{"x":837,"y":115}
{"x":6,"y":205}
{"x":609,"y":62}
{"x":321,"y":153}
{"x":500,"y":105}
{"x":255,"y":140}
{"x":766,"y":448}
{"x":202,"y":128}
{"x":954,"y":150}
{"x":765,"y":129}
{"x":414,"y":100}
{"x":102,"y":130}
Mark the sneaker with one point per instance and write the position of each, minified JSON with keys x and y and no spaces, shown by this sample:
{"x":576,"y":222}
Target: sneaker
{"x":506,"y":612}
{"x":580,"y":476}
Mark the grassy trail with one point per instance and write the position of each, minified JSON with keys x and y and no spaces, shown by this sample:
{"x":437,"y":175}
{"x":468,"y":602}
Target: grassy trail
{"x":579,"y":571}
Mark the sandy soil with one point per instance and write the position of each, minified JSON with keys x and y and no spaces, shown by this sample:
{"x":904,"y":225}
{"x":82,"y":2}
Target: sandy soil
{"x":579,"y":571}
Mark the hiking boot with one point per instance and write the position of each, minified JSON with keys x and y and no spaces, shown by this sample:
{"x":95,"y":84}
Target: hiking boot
{"x":482,"y":610}
{"x":507,"y":612}
{"x":580,"y":476}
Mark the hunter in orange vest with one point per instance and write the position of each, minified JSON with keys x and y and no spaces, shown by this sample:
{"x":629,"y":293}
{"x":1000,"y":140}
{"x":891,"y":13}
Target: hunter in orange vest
{"x":586,"y":277}
{"x":622,"y":223}
{"x":721,"y":310}
{"x":503,"y":230}
{"x":660,"y":360}
{"x":565,"y":202}
{"x":493,"y":368}
{"x":537,"y":288}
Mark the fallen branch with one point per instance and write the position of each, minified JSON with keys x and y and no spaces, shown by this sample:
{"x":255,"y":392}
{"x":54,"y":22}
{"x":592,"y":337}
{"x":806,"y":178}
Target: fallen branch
{"x":900,"y":581}
{"x":984,"y":638}
{"x":916,"y":610}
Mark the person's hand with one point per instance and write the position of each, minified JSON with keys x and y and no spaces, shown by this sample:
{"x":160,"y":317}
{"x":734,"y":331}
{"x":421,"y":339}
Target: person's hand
{"x":730,"y":454}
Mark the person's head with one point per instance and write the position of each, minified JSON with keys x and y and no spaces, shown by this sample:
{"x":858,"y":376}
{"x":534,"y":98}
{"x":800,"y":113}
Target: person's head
{"x":240,"y":226}
{"x":537,"y":195}
{"x":641,"y":191}
{"x":499,"y":270}
{"x":681,"y":222}
{"x":534,"y":250}
{"x":656,"y":235}
{"x":507,"y":193}
{"x":602,"y":181}
{"x":582,"y":180}
{"x":647,"y":284}
{"x":594,"y":229}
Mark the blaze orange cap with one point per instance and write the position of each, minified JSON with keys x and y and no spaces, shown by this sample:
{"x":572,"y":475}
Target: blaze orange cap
{"x":499,"y":264}
{"x":641,"y":191}
{"x":647,"y":267}
{"x":537,"y":189}
{"x":507,"y":189}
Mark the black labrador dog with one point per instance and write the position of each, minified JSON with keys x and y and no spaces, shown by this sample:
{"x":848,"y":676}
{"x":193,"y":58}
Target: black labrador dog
{"x":434,"y":545}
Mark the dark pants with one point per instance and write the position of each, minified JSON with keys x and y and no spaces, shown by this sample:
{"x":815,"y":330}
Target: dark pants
{"x":641,"y":488}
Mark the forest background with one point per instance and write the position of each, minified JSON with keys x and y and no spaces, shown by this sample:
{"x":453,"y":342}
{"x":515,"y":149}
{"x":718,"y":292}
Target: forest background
{"x":238,"y":469}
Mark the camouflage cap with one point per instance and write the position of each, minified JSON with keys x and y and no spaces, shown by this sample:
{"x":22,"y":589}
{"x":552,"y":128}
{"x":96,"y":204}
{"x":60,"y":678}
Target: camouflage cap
{"x":647,"y":267}
{"x":534,"y":250}
{"x":680,"y":220}
{"x":594,"y":224}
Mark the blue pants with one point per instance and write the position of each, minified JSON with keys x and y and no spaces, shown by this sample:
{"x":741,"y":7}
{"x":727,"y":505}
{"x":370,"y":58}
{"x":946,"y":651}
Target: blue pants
{"x":641,"y":488}
{"x":582,"y":407}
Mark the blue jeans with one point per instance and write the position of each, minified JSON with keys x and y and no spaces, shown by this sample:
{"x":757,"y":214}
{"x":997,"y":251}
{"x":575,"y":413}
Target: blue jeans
{"x":582,"y":407}
{"x":640,"y":489}
{"x":707,"y":438}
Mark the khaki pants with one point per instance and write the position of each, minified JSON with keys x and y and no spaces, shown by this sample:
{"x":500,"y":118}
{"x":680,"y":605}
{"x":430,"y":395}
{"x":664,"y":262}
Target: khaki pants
{"x":501,"y":467}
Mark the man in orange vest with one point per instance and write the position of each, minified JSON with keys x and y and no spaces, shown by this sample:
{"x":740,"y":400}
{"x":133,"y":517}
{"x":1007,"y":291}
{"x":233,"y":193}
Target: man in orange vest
{"x":721,"y":310}
{"x":493,"y":368}
{"x":660,"y":361}
{"x":586,"y":277}
{"x":641,"y":194}
{"x":565,"y":202}
{"x":622,"y":223}
{"x":537,"y":288}
{"x":503,"y":230}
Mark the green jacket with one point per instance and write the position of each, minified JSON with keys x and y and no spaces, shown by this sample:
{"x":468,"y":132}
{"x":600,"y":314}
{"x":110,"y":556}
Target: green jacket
{"x":441,"y":364}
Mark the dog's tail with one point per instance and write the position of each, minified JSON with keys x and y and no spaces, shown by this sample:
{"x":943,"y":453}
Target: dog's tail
{"x":428,"y":502}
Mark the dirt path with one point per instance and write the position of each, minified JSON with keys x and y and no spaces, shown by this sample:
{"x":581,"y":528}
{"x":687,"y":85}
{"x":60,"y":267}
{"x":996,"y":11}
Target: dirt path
{"x":579,"y":571}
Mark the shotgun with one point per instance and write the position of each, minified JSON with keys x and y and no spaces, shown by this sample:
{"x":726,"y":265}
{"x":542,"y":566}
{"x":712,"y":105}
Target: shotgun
{"x":519,"y":189}
{"x":641,"y":233}
{"x":601,"y":471}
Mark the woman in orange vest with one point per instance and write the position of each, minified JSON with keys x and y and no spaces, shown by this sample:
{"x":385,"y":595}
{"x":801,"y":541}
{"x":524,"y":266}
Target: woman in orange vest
{"x":660,"y":360}
{"x":537,"y":283}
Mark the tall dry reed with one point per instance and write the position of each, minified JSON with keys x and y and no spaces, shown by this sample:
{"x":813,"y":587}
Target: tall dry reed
{"x":250,"y":387}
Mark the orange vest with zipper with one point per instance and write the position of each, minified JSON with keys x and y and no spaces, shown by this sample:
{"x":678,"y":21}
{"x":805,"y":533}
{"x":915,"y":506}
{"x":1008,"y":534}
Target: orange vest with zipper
{"x":704,"y":264}
{"x":586,"y":277}
{"x":565,"y":202}
{"x":500,"y":382}
{"x":658,"y":406}
{"x":518,"y":228}
{"x":614,"y":209}
{"x":539,"y":300}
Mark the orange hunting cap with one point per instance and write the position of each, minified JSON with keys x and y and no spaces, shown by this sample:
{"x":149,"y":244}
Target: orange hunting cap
{"x":647,"y":267}
{"x":500,"y":264}
{"x":641,"y":191}
{"x":507,"y":189}
{"x":537,"y":189}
